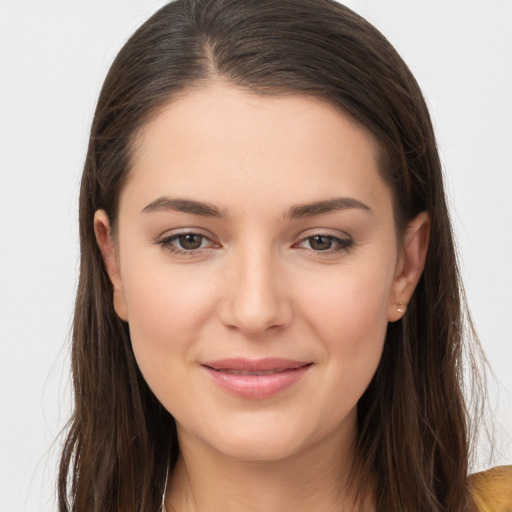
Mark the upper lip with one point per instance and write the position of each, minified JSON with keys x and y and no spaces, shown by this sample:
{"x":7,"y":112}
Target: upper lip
{"x":255,"y":365}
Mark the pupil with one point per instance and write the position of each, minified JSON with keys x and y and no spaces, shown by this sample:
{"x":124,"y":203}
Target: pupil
{"x":190,"y":241}
{"x":321,"y":243}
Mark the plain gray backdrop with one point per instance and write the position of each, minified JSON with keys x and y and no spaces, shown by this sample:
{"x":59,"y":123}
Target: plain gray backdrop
{"x":53,"y":58}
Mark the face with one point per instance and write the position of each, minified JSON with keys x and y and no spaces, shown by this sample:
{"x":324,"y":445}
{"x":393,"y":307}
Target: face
{"x":256,"y":263}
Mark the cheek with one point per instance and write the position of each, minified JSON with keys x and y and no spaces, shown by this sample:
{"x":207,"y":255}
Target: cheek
{"x":348,"y":313}
{"x":165,"y":311}
{"x":348,"y":302}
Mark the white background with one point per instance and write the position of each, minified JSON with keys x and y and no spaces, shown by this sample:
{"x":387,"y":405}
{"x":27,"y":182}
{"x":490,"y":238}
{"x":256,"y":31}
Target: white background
{"x":53,"y":57}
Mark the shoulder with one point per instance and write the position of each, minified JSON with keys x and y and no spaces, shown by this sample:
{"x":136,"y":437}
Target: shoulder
{"x":492,"y":489}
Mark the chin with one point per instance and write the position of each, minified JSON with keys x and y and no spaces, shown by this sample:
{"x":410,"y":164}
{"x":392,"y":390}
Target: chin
{"x":263,"y":438}
{"x":258,"y":449}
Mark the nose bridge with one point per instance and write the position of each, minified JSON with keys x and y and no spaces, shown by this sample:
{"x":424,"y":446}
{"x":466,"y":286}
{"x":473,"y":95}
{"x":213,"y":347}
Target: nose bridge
{"x":255,"y":298}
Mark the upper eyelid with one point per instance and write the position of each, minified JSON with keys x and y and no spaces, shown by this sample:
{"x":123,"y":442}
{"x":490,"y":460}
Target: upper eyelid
{"x":342,"y":241}
{"x":175,"y":236}
{"x":335,"y":233}
{"x":182,"y":232}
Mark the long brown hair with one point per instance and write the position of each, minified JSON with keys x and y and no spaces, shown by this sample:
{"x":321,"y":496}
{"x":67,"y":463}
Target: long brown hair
{"x":413,"y":436}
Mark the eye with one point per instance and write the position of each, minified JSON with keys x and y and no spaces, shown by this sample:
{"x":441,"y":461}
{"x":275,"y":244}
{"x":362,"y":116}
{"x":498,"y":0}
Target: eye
{"x":185,"y":242}
{"x":190,"y":241}
{"x":326,"y":243}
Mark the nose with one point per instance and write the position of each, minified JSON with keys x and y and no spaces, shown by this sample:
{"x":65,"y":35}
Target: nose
{"x":255,"y":296}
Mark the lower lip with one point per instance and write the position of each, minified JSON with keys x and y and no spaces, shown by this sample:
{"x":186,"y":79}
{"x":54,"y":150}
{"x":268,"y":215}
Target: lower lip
{"x":257,"y":387}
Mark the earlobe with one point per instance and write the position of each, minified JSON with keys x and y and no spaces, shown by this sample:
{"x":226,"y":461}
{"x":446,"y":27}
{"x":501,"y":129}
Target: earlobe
{"x":105,"y":243}
{"x":410,"y":265}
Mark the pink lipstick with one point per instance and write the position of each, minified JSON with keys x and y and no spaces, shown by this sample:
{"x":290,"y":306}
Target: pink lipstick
{"x":256,"y":378}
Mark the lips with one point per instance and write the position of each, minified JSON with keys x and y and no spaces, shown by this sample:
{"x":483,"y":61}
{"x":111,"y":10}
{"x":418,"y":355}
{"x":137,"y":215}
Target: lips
{"x":256,"y":379}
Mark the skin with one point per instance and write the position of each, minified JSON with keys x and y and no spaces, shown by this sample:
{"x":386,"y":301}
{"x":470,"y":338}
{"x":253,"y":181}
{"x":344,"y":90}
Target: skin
{"x":259,"y":286}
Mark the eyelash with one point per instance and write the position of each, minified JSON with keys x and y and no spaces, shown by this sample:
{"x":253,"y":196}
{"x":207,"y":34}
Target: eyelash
{"x":344,"y":244}
{"x":166,"y":243}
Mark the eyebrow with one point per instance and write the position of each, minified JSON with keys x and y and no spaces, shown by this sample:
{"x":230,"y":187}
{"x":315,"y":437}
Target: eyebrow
{"x":326,"y":206}
{"x":184,"y":205}
{"x":294,"y":212}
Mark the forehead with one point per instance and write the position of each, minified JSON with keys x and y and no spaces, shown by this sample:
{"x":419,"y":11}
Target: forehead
{"x":221,"y":143}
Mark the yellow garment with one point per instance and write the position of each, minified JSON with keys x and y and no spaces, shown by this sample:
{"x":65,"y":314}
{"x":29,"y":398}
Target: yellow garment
{"x":492,"y":489}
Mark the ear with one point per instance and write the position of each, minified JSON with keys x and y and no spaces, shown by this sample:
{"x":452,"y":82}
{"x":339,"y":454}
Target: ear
{"x":107,"y":247}
{"x":410,"y":265}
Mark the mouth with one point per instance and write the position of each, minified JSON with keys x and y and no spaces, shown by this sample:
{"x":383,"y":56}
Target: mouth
{"x":245,"y":372}
{"x":256,"y":379}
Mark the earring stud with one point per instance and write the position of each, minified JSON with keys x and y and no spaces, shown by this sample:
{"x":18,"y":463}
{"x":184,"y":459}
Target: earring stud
{"x":401,"y":307}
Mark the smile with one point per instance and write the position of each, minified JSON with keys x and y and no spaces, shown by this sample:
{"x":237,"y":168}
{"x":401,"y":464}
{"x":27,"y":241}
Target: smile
{"x":242,"y":372}
{"x":256,"y":379}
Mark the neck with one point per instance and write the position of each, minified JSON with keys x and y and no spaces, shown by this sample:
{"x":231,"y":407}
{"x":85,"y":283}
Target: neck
{"x":314,"y":479}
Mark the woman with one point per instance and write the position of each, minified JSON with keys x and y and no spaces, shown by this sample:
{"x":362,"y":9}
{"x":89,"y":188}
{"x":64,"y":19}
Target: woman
{"x":269,"y":315}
